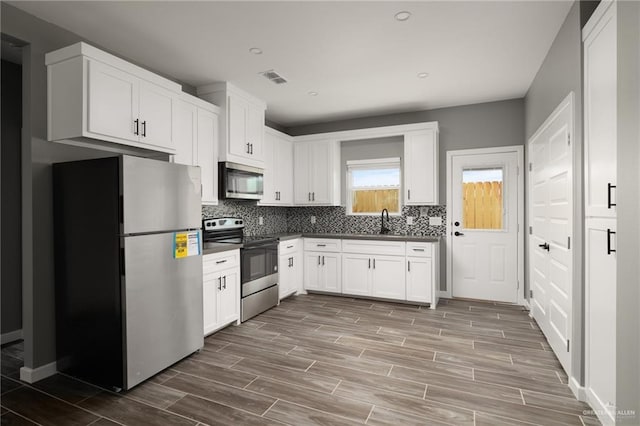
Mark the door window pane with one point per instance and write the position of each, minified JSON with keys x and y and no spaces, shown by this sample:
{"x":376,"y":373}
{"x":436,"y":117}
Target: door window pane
{"x":482,"y":198}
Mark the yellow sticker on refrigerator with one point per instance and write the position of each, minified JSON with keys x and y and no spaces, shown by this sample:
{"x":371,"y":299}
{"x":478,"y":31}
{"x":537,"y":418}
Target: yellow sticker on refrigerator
{"x":186,"y":244}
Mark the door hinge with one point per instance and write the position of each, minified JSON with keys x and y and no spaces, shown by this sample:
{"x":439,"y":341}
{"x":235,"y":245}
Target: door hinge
{"x":530,"y":166}
{"x":530,"y":294}
{"x":530,"y":230}
{"x":567,"y":345}
{"x":568,"y":243}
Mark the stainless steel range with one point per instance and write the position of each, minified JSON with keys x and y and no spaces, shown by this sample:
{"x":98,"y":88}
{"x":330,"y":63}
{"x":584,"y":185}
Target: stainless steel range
{"x":258,"y":260}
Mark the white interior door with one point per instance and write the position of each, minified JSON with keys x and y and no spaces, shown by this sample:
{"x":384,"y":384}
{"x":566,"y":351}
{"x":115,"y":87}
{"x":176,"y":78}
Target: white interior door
{"x":551,"y":228}
{"x":484,"y":243}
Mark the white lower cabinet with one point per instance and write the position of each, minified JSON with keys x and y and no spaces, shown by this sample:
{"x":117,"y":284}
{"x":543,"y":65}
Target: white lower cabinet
{"x":220,"y":290}
{"x":289,"y":267}
{"x":383,"y":269}
{"x":322,"y":271}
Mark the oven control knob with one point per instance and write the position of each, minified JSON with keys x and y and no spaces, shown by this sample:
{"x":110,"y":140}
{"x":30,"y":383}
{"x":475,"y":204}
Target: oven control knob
{"x":238,"y":222}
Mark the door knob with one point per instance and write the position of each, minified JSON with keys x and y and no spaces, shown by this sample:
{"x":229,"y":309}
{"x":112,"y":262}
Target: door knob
{"x":544,"y":246}
{"x":457,"y":234}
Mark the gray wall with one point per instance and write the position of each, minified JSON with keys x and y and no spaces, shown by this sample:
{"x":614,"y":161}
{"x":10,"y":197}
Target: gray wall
{"x":628,"y":237}
{"x":11,"y":289}
{"x":367,"y":149}
{"x":559,"y":75}
{"x":483,"y":125}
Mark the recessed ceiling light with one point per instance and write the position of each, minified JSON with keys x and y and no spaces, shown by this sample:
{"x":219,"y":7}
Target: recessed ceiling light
{"x":256,"y":51}
{"x":312,"y":93}
{"x":403,"y":16}
{"x":423,"y":75}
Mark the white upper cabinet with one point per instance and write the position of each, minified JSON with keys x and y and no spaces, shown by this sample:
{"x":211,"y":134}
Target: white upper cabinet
{"x":421,"y":167}
{"x":242,"y":123}
{"x":195,"y":134}
{"x":600,"y":115}
{"x":96,"y":99}
{"x":278,"y":169}
{"x":316,"y":172}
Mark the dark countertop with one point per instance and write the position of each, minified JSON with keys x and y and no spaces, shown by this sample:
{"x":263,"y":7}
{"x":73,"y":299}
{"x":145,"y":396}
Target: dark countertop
{"x":211,"y":248}
{"x":379,"y":237}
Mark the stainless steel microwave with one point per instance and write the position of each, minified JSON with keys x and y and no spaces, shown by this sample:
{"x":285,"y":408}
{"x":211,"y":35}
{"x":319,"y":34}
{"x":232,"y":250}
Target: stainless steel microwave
{"x":241,"y":182}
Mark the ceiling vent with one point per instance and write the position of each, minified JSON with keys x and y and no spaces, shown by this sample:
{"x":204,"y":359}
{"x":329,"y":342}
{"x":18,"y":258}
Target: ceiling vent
{"x":273,"y":77}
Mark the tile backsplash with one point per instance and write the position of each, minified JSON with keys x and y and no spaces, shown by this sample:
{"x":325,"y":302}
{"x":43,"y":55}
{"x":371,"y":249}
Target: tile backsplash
{"x":328,"y":219}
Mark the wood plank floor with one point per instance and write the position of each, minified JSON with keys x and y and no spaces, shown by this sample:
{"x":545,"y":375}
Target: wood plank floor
{"x":330,"y":360}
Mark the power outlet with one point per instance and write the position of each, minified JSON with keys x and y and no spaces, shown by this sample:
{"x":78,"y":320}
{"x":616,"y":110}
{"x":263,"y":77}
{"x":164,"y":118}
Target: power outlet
{"x":260,"y":220}
{"x":424,"y":211}
{"x":313,"y":219}
{"x":435,"y":221}
{"x":409,"y":220}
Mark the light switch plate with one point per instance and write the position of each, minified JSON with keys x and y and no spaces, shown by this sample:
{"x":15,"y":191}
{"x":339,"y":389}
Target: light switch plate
{"x":260,"y":220}
{"x":313,"y":219}
{"x":435,"y":221}
{"x":424,"y":211}
{"x":409,"y":220}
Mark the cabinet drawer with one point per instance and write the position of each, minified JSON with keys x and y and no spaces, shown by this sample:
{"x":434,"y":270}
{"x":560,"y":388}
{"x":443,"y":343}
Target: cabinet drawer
{"x":218,"y":261}
{"x":420,"y":249}
{"x":322,"y":244}
{"x":393,"y":248}
{"x":288,"y":247}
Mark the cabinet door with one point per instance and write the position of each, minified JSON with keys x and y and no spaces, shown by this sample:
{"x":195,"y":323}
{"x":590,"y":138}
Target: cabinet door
{"x":600,"y":117}
{"x":331,"y":272}
{"x":209,"y":302}
{"x":255,"y":131}
{"x":312,"y":264}
{"x":301,"y":173}
{"x":207,"y":154}
{"x":356,"y":274}
{"x":600,"y":324}
{"x":156,"y":115}
{"x":284,"y":171}
{"x":112,"y":102}
{"x":388,"y":278}
{"x":238,"y":114}
{"x":270,"y":169}
{"x":419,"y":279}
{"x":320,"y":167}
{"x":297,"y":272}
{"x":185,"y":118}
{"x":420,"y":168}
{"x":229,"y":296}
{"x":284,"y":276}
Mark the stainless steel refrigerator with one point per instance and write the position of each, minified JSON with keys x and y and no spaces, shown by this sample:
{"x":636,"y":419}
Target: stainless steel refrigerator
{"x":128,"y":268}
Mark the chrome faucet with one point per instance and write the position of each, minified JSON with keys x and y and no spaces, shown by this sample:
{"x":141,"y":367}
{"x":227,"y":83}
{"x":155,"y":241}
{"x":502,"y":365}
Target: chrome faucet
{"x":384,"y":229}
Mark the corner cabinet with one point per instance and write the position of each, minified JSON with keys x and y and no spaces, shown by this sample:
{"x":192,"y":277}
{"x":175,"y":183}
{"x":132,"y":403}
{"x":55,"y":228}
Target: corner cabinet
{"x":98,"y":100}
{"x":278,"y":169}
{"x":316,"y":172}
{"x":242,"y":123}
{"x":421,"y":167}
{"x":220,"y":290}
{"x":195,"y":134}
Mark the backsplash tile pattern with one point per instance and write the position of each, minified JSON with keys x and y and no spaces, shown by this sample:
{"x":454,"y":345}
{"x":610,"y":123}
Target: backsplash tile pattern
{"x":328,"y":219}
{"x":275,"y":218}
{"x":335,"y":220}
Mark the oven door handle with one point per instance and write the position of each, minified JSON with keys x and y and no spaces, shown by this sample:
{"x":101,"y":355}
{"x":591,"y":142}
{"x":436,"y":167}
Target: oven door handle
{"x":268,"y":245}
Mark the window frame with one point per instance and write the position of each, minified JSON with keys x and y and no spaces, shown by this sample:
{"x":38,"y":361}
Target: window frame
{"x":389,"y":163}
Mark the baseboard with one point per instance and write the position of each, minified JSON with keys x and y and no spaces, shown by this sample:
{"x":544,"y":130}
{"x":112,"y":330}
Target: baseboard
{"x":11,"y":336}
{"x":578,"y":390}
{"x":526,"y":304}
{"x":32,"y":375}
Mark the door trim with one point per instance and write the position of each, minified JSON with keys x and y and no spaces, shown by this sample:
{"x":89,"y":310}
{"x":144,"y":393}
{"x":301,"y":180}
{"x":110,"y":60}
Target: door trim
{"x":519,"y":150}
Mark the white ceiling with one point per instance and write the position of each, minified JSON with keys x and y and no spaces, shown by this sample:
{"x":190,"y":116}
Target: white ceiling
{"x":359,"y":59}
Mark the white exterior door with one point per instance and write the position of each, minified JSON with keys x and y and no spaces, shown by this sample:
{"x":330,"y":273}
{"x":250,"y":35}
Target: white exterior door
{"x":484,"y":242}
{"x":551,"y":229}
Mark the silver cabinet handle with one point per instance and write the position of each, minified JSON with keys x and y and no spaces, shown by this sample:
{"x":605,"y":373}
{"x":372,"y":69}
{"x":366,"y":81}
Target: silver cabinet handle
{"x":309,"y":196}
{"x":220,"y":283}
{"x":144,"y":129}
{"x":251,"y":149}
{"x":248,"y":148}
{"x":313,"y":196}
{"x":321,"y":245}
{"x":137,"y":130}
{"x":289,"y":246}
